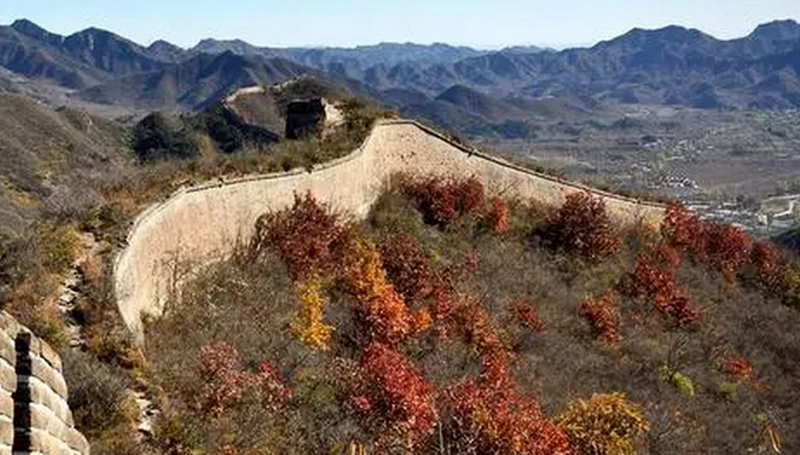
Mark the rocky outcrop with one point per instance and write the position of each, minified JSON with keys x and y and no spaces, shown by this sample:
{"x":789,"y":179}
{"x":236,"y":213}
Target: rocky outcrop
{"x":34,"y":415}
{"x":200,"y":224}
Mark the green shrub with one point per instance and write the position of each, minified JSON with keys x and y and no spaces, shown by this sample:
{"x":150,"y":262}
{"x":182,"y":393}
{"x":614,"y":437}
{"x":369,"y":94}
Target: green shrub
{"x":727,"y":390}
{"x":226,"y":135}
{"x":159,"y":137}
{"x":681,"y":382}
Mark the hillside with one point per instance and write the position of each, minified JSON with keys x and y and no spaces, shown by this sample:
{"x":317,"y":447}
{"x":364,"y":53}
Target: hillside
{"x":453,"y":321}
{"x":438,"y":315}
{"x":47,"y":157}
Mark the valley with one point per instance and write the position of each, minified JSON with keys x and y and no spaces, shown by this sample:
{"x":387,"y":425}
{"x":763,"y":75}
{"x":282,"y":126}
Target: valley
{"x":727,"y":165}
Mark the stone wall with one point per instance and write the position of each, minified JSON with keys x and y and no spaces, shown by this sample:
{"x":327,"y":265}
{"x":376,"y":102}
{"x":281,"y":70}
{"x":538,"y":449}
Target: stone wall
{"x":200,"y":224}
{"x":34,"y":415}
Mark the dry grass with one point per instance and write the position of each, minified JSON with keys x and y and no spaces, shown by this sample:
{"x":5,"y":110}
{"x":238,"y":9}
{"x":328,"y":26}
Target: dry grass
{"x":251,"y":306}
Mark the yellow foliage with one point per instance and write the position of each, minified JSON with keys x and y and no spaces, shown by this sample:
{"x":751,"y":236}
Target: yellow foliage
{"x":605,"y":424}
{"x":310,"y":324}
{"x":384,"y":308}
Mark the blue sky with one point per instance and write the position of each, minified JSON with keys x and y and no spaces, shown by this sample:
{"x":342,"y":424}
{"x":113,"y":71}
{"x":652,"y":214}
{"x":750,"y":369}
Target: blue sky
{"x":481,"y":23}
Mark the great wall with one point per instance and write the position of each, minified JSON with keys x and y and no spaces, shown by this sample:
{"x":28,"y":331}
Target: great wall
{"x":199,"y":224}
{"x":35,"y":418}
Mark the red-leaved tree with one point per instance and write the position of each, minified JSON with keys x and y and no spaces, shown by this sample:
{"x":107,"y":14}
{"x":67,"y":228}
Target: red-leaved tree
{"x":499,"y":216}
{"x":583,"y":227}
{"x":489,"y":415}
{"x":395,"y":392}
{"x":305,"y":235}
{"x":769,"y":265}
{"x":527,"y":315}
{"x":225,"y":381}
{"x":443,"y":201}
{"x":603,"y":315}
{"x":408,"y":268}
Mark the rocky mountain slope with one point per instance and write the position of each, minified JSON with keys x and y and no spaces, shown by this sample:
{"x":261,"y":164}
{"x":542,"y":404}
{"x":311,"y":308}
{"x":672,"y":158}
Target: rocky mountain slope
{"x":673,"y":65}
{"x":46,"y":157}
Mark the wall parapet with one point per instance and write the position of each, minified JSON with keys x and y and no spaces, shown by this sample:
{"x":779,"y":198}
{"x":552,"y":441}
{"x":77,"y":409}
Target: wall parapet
{"x":199,"y":223}
{"x":34,"y":414}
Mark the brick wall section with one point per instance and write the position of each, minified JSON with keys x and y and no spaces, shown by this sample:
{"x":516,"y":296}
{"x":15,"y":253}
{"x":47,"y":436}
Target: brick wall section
{"x":200,"y":224}
{"x":34,"y":415}
{"x":8,"y":385}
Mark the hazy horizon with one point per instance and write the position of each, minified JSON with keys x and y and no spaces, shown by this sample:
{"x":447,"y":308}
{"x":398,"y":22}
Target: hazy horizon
{"x":349,"y":23}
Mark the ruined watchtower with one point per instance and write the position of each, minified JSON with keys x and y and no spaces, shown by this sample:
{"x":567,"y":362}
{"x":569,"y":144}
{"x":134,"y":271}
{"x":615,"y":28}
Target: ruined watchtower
{"x":310,"y":118}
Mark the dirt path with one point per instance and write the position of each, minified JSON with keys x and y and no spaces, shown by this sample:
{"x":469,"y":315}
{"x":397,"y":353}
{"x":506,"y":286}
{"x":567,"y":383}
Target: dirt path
{"x":68,"y":295}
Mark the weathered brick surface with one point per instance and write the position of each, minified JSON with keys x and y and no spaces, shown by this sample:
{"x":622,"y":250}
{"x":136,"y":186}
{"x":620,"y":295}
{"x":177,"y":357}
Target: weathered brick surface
{"x":43,"y":395}
{"x":52,"y":378}
{"x":51,"y":357}
{"x":8,"y":378}
{"x":45,"y":443}
{"x":6,"y":431}
{"x":35,"y":418}
{"x":76,"y":441}
{"x":44,"y":419}
{"x":9,"y":325}
{"x":7,"y":351}
{"x":6,"y":405}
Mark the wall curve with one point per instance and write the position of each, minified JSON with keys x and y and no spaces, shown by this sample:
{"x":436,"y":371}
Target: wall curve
{"x":199,"y":224}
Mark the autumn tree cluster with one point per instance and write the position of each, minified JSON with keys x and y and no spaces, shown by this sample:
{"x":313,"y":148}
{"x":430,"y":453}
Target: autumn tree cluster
{"x":394,"y":299}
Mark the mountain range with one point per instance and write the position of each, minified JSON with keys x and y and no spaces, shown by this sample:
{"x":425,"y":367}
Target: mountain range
{"x":461,"y":86}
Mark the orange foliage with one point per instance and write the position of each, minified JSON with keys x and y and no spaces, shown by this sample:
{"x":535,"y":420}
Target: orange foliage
{"x":728,"y":249}
{"x":769,"y":266}
{"x":225,"y":382}
{"x":468,"y":319}
{"x":499,"y":216}
{"x":684,"y":230}
{"x":408,"y":269}
{"x":386,"y":315}
{"x":723,"y":246}
{"x":489,"y":415}
{"x":654,"y":278}
{"x":603,"y":314}
{"x":739,"y":369}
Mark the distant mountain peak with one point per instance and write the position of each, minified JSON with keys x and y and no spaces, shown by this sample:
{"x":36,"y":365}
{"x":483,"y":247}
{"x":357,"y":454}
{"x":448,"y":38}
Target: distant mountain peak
{"x":522,"y":49}
{"x":163,"y":44}
{"x":671,"y":34}
{"x":96,"y":32}
{"x":777,"y":31}
{"x":29,"y":28}
{"x":215,"y":46}
{"x":165,"y":51}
